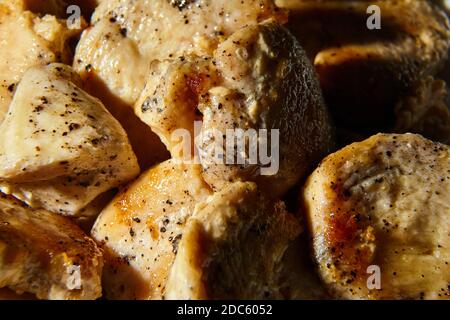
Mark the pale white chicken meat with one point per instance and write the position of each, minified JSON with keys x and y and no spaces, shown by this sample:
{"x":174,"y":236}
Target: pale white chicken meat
{"x":126,"y":36}
{"x":28,"y":39}
{"x":59,"y":147}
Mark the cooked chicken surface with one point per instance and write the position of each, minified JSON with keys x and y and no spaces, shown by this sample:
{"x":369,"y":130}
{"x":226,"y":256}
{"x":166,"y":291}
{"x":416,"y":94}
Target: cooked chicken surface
{"x":47,"y":255}
{"x":259,"y":78}
{"x":297,"y":278}
{"x":8,"y":294}
{"x":425,"y":110}
{"x":232,"y":247}
{"x":383,"y":202}
{"x":59,"y":146}
{"x":213,"y":86}
{"x":28,"y":40}
{"x":127,"y":36}
{"x":141,"y":229}
{"x":363,"y":72}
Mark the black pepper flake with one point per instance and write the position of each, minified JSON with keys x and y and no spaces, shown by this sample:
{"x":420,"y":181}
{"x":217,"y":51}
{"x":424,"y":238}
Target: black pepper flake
{"x":137,"y":220}
{"x":132,"y":233}
{"x":180,"y":4}
{"x":38,"y":109}
{"x":74,"y":126}
{"x":123,"y":31}
{"x":175,"y":241}
{"x":147,"y":105}
{"x":84,"y":184}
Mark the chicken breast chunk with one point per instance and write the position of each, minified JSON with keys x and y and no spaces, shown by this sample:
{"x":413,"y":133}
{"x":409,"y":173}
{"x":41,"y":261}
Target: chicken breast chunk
{"x":28,"y":39}
{"x":59,"y":146}
{"x":258,"y":82}
{"x":425,"y":110}
{"x":379,"y":213}
{"x":232,"y":247}
{"x":364,"y":71}
{"x":47,"y":255}
{"x":126,"y":36}
{"x":141,"y":229}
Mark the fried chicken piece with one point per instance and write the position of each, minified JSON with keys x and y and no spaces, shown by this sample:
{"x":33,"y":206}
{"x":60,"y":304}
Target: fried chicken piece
{"x":47,"y":255}
{"x":74,"y":151}
{"x":383,"y":204}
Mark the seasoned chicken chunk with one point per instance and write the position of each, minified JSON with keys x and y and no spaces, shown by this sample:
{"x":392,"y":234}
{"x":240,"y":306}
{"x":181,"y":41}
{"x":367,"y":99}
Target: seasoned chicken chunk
{"x":364,"y":72}
{"x":297,"y":278}
{"x":379,"y":214}
{"x":47,"y":255}
{"x":126,"y":36}
{"x":59,"y":146}
{"x":425,"y":110}
{"x":232,"y":247}
{"x":141,"y":228}
{"x":28,"y":40}
{"x":258,"y":79}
